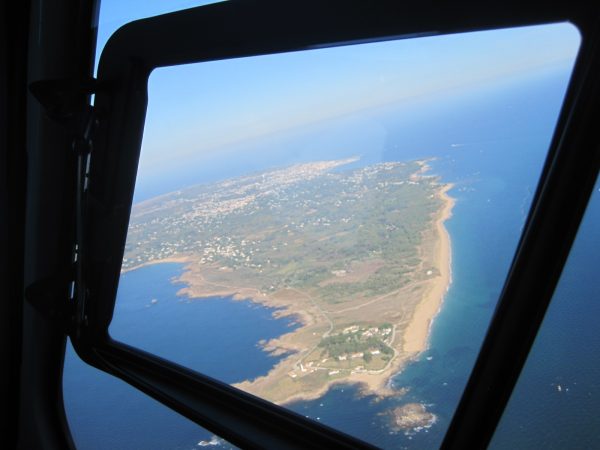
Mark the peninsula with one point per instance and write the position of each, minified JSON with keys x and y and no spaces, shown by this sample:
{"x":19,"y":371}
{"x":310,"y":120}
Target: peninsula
{"x":360,"y":256}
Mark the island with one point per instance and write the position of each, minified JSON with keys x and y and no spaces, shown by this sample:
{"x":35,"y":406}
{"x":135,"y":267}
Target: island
{"x":411,"y":418}
{"x":359,"y":256}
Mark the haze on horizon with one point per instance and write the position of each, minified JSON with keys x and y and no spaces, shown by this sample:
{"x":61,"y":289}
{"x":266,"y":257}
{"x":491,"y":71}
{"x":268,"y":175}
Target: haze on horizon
{"x":199,"y":113}
{"x":200,"y":109}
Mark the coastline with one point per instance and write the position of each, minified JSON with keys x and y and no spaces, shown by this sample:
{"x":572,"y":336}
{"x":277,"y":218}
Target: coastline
{"x":416,"y":336}
{"x":173,"y":259}
{"x":406,"y":345}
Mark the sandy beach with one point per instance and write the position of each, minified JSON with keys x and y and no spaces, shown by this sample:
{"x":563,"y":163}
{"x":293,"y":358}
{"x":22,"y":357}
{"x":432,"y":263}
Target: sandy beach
{"x":417,"y":333}
{"x":172,"y":259}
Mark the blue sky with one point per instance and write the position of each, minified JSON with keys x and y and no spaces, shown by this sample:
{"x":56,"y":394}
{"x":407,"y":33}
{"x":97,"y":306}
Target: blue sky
{"x":201,"y":109}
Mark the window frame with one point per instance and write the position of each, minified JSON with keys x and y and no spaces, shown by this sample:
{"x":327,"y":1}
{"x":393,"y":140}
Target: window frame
{"x":239,"y":29}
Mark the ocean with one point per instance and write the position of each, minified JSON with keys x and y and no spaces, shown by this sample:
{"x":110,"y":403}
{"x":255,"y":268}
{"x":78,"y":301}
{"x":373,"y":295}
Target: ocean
{"x":490,"y":141}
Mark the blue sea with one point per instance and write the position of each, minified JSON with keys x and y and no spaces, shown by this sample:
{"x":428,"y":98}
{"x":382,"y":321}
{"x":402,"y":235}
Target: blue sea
{"x":490,"y":141}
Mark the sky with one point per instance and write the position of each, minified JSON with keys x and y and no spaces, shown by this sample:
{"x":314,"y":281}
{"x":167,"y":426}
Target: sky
{"x":202,"y":109}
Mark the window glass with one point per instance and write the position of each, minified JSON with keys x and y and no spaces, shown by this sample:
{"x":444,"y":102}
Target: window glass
{"x":105,"y":413}
{"x":116,"y":13}
{"x":555,"y":403}
{"x":327,"y":229}
{"x":330,"y":229}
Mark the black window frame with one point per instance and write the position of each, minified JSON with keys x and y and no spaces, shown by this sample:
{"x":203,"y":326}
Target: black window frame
{"x":248,"y":28}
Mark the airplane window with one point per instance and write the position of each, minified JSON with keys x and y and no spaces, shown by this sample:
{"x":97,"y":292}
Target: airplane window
{"x":115,"y":13}
{"x":105,"y":413}
{"x":330,"y":229}
{"x":555,"y":402}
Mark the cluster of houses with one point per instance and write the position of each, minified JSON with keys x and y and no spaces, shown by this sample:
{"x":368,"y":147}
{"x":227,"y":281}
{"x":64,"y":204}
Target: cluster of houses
{"x":345,"y":357}
{"x":365,"y":333}
{"x":373,"y":331}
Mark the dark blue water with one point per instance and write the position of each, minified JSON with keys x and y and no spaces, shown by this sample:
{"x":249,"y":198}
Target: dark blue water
{"x":565,"y":356}
{"x":150,"y":316}
{"x":217,"y":336}
{"x":490,"y":142}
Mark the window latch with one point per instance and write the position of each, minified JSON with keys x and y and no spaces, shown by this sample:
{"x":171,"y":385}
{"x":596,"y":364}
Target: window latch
{"x":65,"y":102}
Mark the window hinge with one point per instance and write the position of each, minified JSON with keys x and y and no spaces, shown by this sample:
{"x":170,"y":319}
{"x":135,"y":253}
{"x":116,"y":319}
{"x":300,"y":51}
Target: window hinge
{"x":64,"y":99}
{"x":47,"y":296}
